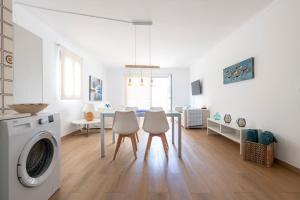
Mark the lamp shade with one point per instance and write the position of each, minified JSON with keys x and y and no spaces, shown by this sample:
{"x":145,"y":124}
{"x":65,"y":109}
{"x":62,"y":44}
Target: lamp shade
{"x":88,"y":107}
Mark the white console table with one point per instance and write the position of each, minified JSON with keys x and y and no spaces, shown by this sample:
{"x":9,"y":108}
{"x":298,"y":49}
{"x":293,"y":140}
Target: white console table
{"x":231,"y":131}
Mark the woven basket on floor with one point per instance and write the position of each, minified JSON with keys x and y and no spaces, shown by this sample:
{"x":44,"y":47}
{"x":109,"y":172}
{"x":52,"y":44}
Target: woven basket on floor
{"x":259,"y":153}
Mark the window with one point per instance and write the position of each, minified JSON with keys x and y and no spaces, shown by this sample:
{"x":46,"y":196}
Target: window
{"x":138,"y":95}
{"x":71,"y":75}
{"x":157,"y":94}
{"x":161,"y":92}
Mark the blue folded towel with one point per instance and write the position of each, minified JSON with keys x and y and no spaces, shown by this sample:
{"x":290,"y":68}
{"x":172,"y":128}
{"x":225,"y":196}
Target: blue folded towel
{"x":252,"y":135}
{"x":266,"y":138}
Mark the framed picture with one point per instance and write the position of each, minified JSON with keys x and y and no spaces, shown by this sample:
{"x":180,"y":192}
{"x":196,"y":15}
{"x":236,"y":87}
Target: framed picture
{"x":239,"y":72}
{"x":95,"y":89}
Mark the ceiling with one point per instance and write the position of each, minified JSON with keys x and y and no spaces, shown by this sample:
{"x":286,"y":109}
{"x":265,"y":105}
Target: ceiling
{"x":182,"y":30}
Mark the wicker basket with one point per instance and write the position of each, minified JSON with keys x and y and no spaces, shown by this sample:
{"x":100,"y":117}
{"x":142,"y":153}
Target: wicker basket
{"x":259,"y":153}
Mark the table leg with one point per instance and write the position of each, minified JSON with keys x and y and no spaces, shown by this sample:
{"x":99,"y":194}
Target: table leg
{"x":113,"y":137}
{"x":87,"y":130}
{"x":172,"y":118}
{"x":179,"y":136}
{"x":102,"y":136}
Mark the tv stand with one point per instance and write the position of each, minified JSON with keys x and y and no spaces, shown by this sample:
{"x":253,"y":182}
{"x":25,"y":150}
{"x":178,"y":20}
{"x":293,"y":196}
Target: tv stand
{"x":231,"y":131}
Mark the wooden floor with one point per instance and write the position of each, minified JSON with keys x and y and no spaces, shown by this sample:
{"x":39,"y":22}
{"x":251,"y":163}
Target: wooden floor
{"x":210,"y":168}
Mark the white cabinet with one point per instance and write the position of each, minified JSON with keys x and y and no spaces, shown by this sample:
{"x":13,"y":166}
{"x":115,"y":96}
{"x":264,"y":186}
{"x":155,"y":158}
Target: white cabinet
{"x":194,"y":118}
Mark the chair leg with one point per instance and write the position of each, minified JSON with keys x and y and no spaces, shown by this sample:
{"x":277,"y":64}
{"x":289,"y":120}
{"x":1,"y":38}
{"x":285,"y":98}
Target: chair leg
{"x":123,"y":139}
{"x":135,"y":144}
{"x":166,"y":141}
{"x":134,"y":147}
{"x":137,"y":137}
{"x":148,"y":146}
{"x":162,"y":137}
{"x":118,"y":145}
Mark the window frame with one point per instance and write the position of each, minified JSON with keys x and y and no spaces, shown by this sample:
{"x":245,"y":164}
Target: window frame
{"x":63,"y":55}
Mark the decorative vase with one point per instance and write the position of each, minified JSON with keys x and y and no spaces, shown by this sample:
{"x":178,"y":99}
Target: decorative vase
{"x":227,"y":118}
{"x":89,"y":116}
{"x":217,"y":116}
{"x":241,"y":122}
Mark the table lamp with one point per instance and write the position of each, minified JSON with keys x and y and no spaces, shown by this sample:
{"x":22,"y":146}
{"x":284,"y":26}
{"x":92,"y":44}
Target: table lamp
{"x":88,"y":110}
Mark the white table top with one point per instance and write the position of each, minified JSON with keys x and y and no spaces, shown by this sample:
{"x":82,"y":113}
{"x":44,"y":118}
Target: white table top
{"x":111,"y":113}
{"x":83,"y":121}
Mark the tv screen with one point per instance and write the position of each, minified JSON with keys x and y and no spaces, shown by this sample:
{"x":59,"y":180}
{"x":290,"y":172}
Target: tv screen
{"x":196,"y":87}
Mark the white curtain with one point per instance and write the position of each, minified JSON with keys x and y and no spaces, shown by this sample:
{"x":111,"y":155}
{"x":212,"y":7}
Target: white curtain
{"x":138,"y":94}
{"x":161,"y":92}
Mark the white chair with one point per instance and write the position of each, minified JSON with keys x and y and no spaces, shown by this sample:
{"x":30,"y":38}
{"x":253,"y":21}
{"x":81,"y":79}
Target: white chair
{"x":125,"y":124}
{"x":134,"y":109}
{"x":156,"y":109}
{"x":156,"y":124}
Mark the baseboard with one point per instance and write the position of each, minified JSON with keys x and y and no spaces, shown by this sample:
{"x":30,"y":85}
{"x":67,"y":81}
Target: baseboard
{"x":69,"y":134}
{"x":195,"y":127}
{"x":287,"y":165}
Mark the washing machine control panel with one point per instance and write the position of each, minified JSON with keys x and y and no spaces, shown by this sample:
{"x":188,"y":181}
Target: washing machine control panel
{"x":50,"y":118}
{"x":45,"y":120}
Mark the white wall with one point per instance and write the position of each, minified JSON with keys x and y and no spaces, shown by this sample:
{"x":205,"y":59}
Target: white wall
{"x":271,"y":100}
{"x":116,"y":85}
{"x":69,"y":109}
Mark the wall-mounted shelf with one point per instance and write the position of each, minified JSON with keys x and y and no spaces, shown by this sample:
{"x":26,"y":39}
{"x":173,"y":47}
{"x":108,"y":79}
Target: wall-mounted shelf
{"x":231,"y":131}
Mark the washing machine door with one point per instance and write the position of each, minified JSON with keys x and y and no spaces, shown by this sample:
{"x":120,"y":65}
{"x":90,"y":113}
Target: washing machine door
{"x":37,"y":159}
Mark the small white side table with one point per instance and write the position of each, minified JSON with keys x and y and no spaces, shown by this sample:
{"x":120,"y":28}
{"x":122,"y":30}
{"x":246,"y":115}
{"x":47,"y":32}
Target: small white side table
{"x":86,"y":124}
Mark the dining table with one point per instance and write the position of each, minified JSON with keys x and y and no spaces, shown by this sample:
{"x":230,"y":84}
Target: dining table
{"x":169,"y":114}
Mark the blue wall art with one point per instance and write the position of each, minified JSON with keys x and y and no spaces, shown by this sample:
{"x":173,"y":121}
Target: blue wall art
{"x":95,"y":89}
{"x":239,"y":72}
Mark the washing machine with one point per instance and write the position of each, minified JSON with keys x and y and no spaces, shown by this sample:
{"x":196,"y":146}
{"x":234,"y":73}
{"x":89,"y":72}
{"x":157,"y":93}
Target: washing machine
{"x":30,"y":157}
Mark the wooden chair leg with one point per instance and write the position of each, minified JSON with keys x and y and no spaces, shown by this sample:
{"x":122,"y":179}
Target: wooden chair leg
{"x":166,"y":141}
{"x":135,"y":144}
{"x":123,"y":139}
{"x":162,"y":137}
{"x":134,"y":147}
{"x":137,"y":137}
{"x":148,"y":146}
{"x":118,"y":146}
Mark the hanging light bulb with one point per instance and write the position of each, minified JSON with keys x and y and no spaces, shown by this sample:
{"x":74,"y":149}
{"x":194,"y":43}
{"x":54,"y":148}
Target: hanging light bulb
{"x":129,"y":80}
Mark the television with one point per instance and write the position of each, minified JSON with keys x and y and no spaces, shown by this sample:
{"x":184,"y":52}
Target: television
{"x":196,"y":87}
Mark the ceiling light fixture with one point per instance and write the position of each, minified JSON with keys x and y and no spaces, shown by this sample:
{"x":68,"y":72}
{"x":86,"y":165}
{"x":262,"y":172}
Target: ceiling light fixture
{"x":141,"y":67}
{"x":135,"y":65}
